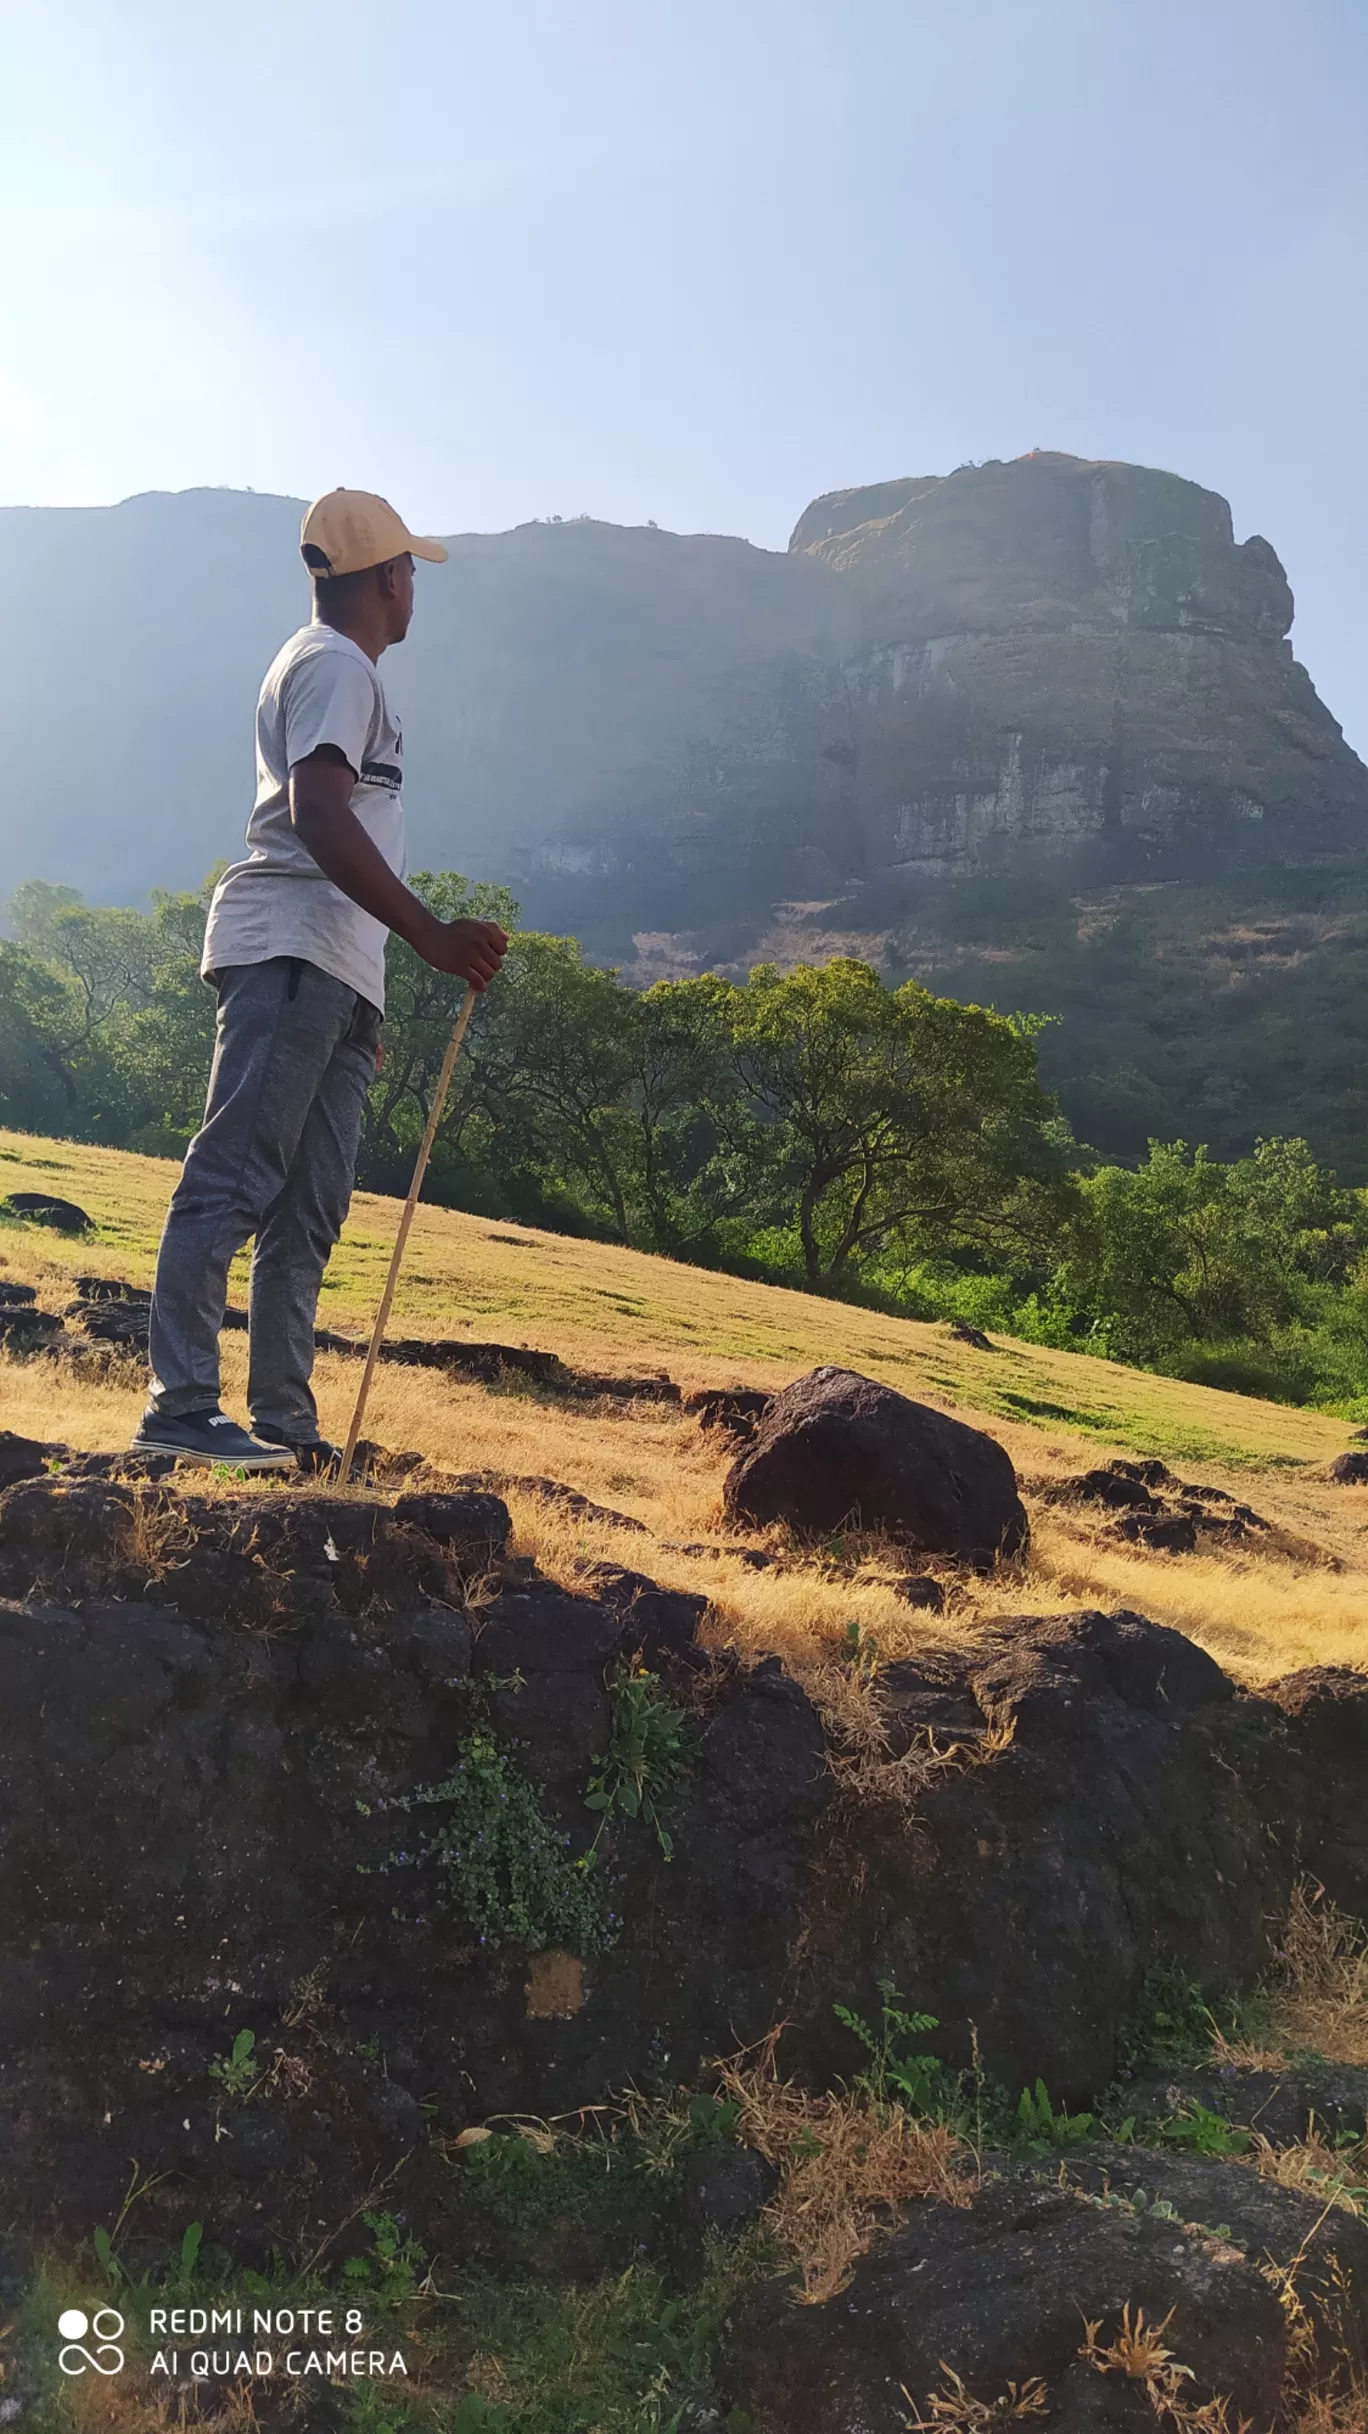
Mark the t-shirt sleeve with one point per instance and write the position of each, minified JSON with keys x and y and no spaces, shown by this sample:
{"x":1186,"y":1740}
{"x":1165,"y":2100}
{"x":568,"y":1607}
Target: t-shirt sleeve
{"x":328,"y":700}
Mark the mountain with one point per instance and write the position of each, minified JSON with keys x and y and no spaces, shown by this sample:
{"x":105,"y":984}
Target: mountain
{"x":1033,"y":730}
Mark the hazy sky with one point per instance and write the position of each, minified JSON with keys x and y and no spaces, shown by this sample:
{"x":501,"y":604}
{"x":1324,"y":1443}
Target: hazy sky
{"x":693,"y":259}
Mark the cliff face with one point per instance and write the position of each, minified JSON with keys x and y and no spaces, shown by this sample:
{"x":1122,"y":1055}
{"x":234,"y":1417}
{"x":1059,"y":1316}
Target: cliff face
{"x":1061,"y":661}
{"x":1048,"y":666}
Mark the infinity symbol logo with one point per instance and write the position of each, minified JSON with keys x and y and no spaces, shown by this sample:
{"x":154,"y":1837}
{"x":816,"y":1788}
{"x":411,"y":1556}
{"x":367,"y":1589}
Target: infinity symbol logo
{"x":106,"y":2326}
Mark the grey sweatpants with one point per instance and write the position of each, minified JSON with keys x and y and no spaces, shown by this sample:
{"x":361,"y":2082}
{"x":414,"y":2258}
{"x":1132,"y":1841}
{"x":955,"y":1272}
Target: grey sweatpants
{"x":276,"y":1158}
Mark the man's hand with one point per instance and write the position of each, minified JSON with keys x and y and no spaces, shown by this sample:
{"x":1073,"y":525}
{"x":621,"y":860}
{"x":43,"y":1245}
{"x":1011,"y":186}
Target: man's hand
{"x":473,"y":950}
{"x":320,"y":806}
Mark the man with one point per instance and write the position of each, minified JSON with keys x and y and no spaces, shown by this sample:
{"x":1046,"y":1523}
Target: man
{"x":295,"y":948}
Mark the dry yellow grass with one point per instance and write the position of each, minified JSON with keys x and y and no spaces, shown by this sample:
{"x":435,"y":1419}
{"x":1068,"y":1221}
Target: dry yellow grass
{"x":1316,"y":1996}
{"x":845,"y":2162}
{"x":622,"y":1312}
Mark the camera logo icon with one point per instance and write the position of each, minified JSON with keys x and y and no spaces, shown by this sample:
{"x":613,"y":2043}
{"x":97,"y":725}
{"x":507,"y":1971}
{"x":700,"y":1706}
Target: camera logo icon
{"x":104,"y":2328}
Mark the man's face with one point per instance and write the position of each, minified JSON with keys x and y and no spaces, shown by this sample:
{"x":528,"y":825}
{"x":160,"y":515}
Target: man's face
{"x":401,"y":598}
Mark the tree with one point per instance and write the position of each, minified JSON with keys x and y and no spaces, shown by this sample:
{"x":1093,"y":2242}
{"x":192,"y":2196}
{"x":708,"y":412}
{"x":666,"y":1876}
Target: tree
{"x":553,"y":1070}
{"x":872,"y":1116}
{"x":1185,"y":1249}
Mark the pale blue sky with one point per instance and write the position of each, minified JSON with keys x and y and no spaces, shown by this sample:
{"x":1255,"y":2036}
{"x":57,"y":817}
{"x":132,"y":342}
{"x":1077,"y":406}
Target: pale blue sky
{"x":693,"y":259}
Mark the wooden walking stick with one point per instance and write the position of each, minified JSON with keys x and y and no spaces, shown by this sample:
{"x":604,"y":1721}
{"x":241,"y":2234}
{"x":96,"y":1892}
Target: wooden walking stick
{"x":453,"y":1050}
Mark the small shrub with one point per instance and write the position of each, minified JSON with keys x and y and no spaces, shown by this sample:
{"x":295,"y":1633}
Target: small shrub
{"x":1201,"y":2132}
{"x":845,"y":2161}
{"x":1037,"y":2124}
{"x":509,"y":1873}
{"x":897,"y":2073}
{"x":238,"y":2071}
{"x":649,"y":1747}
{"x":391,"y":2267}
{"x":1171,"y":2027}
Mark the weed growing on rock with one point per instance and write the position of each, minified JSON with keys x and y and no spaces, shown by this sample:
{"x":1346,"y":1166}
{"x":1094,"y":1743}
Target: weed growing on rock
{"x":237,"y":2071}
{"x":845,"y":2160}
{"x":509,"y":1873}
{"x":1171,"y":2027}
{"x":1337,"y":2175}
{"x":1199,"y":2131}
{"x":1317,"y":1992}
{"x":955,"y":2409}
{"x":392,"y":2267}
{"x":1140,"y":2353}
{"x":649,"y":1747}
{"x":1038,"y":2125}
{"x":897,"y":2073}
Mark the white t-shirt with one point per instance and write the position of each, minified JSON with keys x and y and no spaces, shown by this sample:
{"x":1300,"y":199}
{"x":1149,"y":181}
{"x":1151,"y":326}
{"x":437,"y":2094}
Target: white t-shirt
{"x":320,"y":689}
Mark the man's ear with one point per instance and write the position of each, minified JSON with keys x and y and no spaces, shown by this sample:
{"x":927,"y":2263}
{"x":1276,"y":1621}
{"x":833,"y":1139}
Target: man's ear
{"x":387,"y":576}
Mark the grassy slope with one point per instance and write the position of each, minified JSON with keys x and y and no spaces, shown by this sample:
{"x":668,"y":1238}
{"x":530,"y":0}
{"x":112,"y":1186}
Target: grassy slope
{"x":613,"y":1310}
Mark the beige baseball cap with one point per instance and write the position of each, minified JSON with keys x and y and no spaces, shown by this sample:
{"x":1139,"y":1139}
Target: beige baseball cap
{"x":353,"y":529}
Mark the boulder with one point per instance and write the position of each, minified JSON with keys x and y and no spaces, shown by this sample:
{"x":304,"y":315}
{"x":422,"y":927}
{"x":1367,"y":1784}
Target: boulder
{"x":46,"y":1208}
{"x":474,"y":1527}
{"x":1003,"y":2291}
{"x":25,"y":1327}
{"x":1282,"y":2104}
{"x":253,"y":1558}
{"x":839,"y":1451}
{"x":921,"y":1589}
{"x":23,"y":1457}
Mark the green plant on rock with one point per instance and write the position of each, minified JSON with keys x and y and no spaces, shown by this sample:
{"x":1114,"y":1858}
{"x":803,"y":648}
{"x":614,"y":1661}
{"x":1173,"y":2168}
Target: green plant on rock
{"x":1201,"y":2132}
{"x":237,"y":2072}
{"x":1171,"y":2026}
{"x":897,"y":2073}
{"x":392,"y":2267}
{"x":509,"y":1872}
{"x":1037,"y":2124}
{"x":649,"y":1747}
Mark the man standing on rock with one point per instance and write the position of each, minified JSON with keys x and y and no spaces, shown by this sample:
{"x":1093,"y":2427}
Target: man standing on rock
{"x":295,"y":949}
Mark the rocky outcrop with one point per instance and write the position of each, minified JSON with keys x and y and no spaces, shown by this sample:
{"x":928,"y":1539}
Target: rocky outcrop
{"x":261,"y":1757}
{"x":839,"y":1451}
{"x":1075,"y":662}
{"x":1047,"y":665}
{"x":1036,"y":2283}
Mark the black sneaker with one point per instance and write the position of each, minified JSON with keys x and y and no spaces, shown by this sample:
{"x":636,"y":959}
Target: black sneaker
{"x":313,"y":1454}
{"x":208,"y":1436}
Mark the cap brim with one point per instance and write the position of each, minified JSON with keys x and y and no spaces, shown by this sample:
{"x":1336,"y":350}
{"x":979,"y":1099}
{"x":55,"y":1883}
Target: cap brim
{"x":435,"y":551}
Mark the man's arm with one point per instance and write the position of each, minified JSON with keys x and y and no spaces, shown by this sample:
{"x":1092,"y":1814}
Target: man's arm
{"x":320,"y":807}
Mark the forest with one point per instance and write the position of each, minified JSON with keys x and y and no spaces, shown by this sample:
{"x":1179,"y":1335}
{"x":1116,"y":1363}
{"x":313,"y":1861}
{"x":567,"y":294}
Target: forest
{"x":813,"y":1127}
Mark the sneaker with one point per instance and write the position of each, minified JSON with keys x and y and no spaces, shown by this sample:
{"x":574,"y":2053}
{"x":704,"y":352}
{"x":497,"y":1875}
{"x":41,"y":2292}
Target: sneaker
{"x":313,"y":1454}
{"x":208,"y":1436}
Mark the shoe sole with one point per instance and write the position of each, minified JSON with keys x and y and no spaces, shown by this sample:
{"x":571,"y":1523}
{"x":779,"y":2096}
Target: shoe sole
{"x":213,"y":1462}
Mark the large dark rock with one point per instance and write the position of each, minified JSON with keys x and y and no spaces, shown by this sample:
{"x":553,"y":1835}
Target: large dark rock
{"x":212,"y":1715}
{"x":1282,"y":2105}
{"x":48,"y":1208}
{"x":1002,"y":2291}
{"x":836,"y":1450}
{"x":1112,"y":1803}
{"x":256,"y":1558}
{"x":23,"y":1457}
{"x":25,"y":1328}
